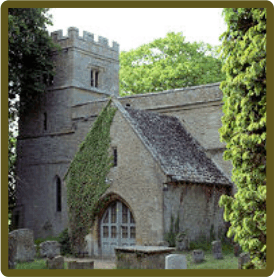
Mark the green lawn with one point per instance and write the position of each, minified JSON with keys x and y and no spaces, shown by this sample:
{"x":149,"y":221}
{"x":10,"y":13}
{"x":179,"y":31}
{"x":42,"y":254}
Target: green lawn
{"x":229,"y":261}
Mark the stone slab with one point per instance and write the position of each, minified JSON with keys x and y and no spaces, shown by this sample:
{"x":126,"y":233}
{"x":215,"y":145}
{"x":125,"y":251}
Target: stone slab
{"x":49,"y":249}
{"x":24,"y":241}
{"x":81,"y":265}
{"x":175,"y":261}
{"x":56,"y":262}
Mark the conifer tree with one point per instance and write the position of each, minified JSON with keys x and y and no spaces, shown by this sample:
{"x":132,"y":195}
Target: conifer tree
{"x":244,"y":128}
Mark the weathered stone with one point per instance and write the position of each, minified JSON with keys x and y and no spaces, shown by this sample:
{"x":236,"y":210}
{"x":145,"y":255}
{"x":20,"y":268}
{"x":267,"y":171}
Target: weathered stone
{"x":49,"y":249}
{"x":12,"y":251}
{"x":80,"y":265}
{"x":175,"y":261}
{"x":56,"y":262}
{"x":243,"y":259}
{"x":142,"y":257}
{"x":24,"y":244}
{"x":182,"y":242}
{"x":217,"y":249}
{"x":197,"y":256}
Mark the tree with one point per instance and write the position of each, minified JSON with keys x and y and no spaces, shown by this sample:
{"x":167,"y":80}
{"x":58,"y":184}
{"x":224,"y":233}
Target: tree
{"x":30,"y":68}
{"x":244,"y":128}
{"x":168,"y":63}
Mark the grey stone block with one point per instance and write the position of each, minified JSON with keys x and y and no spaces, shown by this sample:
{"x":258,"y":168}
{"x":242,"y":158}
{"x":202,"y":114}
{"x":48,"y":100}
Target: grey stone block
{"x":175,"y":261}
{"x":243,"y":259}
{"x":80,"y":265}
{"x":49,"y":249}
{"x":56,"y":262}
{"x":197,"y":256}
{"x":24,"y":244}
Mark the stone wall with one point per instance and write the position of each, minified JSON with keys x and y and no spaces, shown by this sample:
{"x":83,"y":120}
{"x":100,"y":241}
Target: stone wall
{"x":197,"y":208}
{"x":138,"y":180}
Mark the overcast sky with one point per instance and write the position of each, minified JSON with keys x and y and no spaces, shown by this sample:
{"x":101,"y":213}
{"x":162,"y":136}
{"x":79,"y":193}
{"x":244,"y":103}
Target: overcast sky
{"x":134,"y":27}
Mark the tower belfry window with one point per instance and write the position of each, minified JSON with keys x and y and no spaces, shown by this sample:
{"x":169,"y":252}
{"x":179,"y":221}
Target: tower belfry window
{"x":94,"y":78}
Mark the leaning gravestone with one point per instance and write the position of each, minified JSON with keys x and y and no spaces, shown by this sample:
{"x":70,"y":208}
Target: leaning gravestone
{"x":12,"y":251}
{"x":217,"y":249}
{"x":175,"y":261}
{"x":55,"y":262}
{"x":24,"y":244}
{"x":49,"y":249}
{"x":197,"y":256}
{"x":243,"y":259}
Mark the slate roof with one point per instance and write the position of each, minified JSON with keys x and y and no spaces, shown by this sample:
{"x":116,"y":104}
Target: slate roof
{"x":179,"y":154}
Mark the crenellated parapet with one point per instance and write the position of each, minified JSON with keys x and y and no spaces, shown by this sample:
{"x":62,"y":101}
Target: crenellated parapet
{"x":86,"y":42}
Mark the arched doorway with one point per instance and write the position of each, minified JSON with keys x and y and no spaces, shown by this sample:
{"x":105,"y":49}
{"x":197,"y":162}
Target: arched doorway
{"x":117,"y":228}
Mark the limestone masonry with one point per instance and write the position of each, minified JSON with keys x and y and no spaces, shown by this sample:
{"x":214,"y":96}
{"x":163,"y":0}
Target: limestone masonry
{"x":167,"y":145}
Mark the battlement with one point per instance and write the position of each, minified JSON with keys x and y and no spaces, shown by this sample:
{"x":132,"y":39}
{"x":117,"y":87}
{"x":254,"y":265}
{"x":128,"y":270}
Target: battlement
{"x":86,"y":41}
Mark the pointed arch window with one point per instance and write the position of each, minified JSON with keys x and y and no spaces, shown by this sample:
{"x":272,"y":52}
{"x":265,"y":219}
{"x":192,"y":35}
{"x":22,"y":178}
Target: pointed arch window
{"x":58,"y":194}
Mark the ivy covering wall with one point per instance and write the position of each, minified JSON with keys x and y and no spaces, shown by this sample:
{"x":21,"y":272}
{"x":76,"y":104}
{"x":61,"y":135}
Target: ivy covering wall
{"x":86,"y":177}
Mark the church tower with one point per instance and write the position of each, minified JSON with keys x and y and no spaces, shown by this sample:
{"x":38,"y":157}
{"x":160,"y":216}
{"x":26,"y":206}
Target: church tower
{"x":49,"y":132}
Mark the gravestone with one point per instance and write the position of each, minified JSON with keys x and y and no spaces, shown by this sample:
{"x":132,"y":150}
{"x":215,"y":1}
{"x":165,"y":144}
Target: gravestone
{"x":243,"y":259}
{"x":182,"y":242}
{"x":197,"y":256}
{"x":12,"y":251}
{"x":217,"y":249}
{"x":24,"y":244}
{"x":49,"y":249}
{"x":55,"y":262}
{"x":175,"y":261}
{"x":80,"y":265}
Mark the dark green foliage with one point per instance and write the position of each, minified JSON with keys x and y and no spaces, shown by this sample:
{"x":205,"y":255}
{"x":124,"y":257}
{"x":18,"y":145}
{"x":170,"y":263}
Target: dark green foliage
{"x":30,"y":49}
{"x":86,"y":177}
{"x":244,"y":128}
{"x":29,"y":67}
{"x":168,"y":63}
{"x":64,"y":240}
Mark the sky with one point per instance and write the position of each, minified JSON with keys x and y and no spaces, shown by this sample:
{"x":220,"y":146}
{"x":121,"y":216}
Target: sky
{"x":132,"y":28}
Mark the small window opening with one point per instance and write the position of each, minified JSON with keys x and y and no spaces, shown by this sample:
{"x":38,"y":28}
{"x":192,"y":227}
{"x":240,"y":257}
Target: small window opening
{"x":45,"y":121}
{"x":115,"y":161}
{"x":94,"y":78}
{"x":58,"y":195}
{"x":127,"y":105}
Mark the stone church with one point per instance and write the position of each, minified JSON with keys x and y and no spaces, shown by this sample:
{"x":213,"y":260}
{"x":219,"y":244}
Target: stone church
{"x":168,"y":162}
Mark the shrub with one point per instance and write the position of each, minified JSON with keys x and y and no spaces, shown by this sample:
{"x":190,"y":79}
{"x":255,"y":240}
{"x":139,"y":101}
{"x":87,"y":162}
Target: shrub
{"x":64,"y":240}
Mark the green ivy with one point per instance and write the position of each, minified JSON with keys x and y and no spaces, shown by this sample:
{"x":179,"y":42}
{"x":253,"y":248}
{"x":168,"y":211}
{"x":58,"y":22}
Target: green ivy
{"x":86,"y":177}
{"x":244,"y":128}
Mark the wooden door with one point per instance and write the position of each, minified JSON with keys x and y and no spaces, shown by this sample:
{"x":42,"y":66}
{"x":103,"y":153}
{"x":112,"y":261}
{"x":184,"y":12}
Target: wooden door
{"x":117,"y":228}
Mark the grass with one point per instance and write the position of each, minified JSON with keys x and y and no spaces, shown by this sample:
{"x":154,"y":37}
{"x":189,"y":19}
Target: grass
{"x":36,"y":264}
{"x":229,"y":261}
